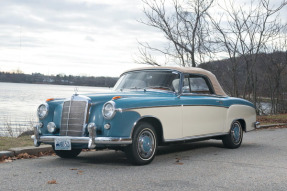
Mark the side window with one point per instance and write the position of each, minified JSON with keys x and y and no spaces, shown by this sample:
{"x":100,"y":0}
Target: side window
{"x":186,"y":84}
{"x":196,"y":84}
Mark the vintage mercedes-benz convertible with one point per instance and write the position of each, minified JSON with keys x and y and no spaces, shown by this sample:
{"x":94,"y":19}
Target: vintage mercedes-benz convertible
{"x":148,"y":107}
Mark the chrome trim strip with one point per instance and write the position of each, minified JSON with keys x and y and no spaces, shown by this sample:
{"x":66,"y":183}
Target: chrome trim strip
{"x":200,"y":94}
{"x":207,"y":105}
{"x":85,"y":140}
{"x":127,"y":109}
{"x":195,"y":137}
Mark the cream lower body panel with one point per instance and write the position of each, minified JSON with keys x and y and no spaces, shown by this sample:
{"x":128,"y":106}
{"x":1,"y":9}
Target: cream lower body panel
{"x":181,"y":122}
{"x":184,"y":122}
{"x":170,"y":118}
{"x":247,"y":113}
{"x":203,"y":120}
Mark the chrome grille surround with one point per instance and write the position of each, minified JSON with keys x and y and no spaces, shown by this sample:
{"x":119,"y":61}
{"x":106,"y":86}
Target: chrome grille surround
{"x":74,"y":116}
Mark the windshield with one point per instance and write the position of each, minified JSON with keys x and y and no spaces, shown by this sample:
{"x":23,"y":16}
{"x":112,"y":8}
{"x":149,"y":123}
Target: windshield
{"x":162,"y":80}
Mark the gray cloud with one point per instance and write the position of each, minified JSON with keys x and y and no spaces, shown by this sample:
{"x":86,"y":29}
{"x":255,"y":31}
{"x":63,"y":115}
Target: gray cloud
{"x":52,"y":14}
{"x":37,"y":16}
{"x":73,"y":32}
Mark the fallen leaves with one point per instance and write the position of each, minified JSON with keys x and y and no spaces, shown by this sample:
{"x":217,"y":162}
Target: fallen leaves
{"x":178,"y":161}
{"x":5,"y":159}
{"x":25,"y":156}
{"x":52,"y":182}
{"x":80,"y":172}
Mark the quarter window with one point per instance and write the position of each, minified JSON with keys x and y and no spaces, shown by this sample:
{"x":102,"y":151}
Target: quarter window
{"x":196,"y":84}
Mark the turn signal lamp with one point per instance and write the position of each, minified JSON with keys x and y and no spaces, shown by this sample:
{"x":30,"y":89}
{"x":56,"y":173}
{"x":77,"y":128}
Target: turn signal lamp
{"x":116,"y":97}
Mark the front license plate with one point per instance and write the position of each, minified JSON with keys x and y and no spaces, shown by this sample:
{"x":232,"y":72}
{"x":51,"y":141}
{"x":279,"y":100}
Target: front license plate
{"x":63,"y":144}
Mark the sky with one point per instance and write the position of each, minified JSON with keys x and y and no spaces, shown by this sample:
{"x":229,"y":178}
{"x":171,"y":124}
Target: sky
{"x":73,"y":37}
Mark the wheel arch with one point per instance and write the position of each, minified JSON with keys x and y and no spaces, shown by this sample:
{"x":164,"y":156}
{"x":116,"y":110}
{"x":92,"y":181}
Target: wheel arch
{"x":242,"y":123}
{"x":244,"y":114}
{"x":155,"y":122}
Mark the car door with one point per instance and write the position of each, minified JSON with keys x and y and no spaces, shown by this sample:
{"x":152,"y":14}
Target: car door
{"x":203,"y":113}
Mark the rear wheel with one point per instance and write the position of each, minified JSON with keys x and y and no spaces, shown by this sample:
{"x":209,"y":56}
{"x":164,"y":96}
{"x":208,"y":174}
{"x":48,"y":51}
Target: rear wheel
{"x":144,"y":144}
{"x":67,"y":153}
{"x":234,"y":139}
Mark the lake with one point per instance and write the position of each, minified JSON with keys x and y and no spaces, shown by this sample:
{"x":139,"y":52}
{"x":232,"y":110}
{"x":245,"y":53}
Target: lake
{"x":19,"y":103}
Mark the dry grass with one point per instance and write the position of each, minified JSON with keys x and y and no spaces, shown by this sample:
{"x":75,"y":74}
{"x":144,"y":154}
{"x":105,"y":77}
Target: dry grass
{"x":272,"y":119}
{"x":11,"y":142}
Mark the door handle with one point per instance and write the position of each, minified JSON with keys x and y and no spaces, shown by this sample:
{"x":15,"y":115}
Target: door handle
{"x":220,"y":102}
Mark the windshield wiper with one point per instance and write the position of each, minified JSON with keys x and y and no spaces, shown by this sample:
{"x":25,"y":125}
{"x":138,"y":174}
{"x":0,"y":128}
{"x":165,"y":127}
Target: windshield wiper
{"x":160,"y":87}
{"x":132,"y":88}
{"x":135,"y":88}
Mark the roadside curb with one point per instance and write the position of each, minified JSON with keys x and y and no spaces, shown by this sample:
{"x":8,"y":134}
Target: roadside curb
{"x":31,"y":150}
{"x":6,"y":153}
{"x":272,"y":125}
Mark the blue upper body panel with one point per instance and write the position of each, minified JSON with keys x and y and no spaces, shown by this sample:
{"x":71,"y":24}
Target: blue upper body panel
{"x":138,"y":99}
{"x":123,"y":122}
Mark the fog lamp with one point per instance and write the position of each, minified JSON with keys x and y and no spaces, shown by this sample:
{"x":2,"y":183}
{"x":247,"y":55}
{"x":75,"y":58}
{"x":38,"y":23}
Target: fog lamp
{"x":107,"y":126}
{"x":51,"y":127}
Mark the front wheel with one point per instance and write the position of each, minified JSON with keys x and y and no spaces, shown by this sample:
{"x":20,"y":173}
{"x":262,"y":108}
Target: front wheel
{"x":234,"y":138}
{"x":144,"y":144}
{"x":67,"y":153}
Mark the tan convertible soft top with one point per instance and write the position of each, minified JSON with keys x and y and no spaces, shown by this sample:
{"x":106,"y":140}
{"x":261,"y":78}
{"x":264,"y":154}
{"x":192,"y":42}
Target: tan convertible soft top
{"x":216,"y":86}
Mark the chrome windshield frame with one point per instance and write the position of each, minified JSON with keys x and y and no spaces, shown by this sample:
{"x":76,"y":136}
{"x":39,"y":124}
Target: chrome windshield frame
{"x":116,"y":88}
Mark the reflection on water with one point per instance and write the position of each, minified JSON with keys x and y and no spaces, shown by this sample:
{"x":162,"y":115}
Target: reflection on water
{"x":19,"y":102}
{"x":264,"y":108}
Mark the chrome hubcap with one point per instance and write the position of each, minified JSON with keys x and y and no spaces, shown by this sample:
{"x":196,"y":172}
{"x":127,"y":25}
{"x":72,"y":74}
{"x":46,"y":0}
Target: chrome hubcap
{"x":236,"y":133}
{"x":146,"y":144}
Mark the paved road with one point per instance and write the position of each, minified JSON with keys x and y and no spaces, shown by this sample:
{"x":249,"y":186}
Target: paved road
{"x":259,"y":164}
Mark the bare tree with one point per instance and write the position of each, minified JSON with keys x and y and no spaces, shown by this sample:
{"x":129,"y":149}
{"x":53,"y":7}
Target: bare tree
{"x":275,"y":74}
{"x":242,"y":32}
{"x":247,"y":33}
{"x":185,"y":27}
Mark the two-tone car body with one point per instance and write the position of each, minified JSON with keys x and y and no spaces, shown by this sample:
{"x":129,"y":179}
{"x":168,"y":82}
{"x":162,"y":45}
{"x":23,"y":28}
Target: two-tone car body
{"x":149,"y":107}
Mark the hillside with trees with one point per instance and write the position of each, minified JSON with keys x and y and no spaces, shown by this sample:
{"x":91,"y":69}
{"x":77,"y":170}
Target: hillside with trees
{"x":250,"y":37}
{"x":271,"y":79}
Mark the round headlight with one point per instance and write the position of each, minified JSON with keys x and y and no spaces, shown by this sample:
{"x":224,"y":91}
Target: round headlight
{"x":43,"y":110}
{"x":109,"y":110}
{"x":51,"y":127}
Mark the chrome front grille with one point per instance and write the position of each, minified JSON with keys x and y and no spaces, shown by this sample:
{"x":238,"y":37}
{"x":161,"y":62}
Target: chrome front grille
{"x":74,"y":116}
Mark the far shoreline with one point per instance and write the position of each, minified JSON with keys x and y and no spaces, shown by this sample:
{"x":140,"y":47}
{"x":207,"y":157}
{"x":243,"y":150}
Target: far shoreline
{"x":57,"y":84}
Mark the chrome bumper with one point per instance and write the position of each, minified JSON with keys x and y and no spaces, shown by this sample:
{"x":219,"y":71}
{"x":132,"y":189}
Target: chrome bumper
{"x":92,"y":140}
{"x":257,"y":125}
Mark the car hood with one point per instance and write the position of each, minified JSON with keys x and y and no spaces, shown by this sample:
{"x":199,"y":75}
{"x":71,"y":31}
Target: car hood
{"x":129,"y":99}
{"x":134,"y":99}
